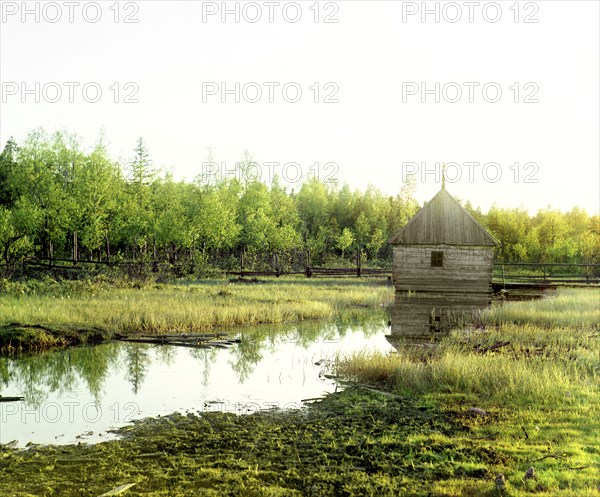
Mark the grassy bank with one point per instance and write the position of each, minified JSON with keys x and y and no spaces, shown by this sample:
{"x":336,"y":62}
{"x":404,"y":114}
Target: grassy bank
{"x":535,"y":369}
{"x":36,"y":315}
{"x":357,"y":443}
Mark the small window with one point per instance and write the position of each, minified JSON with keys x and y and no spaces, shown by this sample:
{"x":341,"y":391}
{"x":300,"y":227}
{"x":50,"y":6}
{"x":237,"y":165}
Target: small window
{"x":437,"y":259}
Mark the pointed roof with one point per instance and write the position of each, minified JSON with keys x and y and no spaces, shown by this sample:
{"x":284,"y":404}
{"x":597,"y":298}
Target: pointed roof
{"x":443,"y":221}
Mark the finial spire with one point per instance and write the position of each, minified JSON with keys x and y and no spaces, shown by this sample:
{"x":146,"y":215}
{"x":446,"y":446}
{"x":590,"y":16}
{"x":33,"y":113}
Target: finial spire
{"x":444,"y":176}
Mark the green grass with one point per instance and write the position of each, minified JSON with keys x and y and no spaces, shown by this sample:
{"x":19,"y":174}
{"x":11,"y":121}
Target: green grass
{"x":193,"y":307}
{"x":571,"y":307}
{"x":541,"y":391}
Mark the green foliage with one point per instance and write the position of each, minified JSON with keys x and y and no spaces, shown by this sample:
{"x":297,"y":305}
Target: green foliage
{"x":214,"y":218}
{"x":549,"y":236}
{"x":53,"y":193}
{"x":345,"y":240}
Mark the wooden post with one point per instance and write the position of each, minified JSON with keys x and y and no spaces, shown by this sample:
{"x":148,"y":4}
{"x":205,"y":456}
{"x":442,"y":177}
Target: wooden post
{"x":242,"y":263}
{"x":358,"y":262}
{"x":154,"y":258}
{"x":503,"y":280}
{"x":192,"y":264}
{"x":173,"y":253}
{"x":51,"y":250}
{"x":308,"y":263}
{"x":277,"y":273}
{"x":107,"y":248}
{"x":75,"y":248}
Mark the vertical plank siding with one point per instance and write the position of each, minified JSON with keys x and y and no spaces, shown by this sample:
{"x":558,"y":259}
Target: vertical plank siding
{"x":465,"y":269}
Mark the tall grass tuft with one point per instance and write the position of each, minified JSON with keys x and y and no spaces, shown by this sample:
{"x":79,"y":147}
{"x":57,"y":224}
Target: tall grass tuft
{"x":569,"y":307}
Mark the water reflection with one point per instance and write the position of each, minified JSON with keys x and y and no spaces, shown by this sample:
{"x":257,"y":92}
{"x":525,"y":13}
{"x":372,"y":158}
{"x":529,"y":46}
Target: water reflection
{"x":91,"y":389}
{"x":137,"y":360}
{"x":420,"y":318}
{"x":36,"y":377}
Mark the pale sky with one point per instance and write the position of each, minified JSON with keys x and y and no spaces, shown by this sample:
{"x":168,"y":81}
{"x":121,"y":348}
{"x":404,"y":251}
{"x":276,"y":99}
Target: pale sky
{"x":375,"y":61}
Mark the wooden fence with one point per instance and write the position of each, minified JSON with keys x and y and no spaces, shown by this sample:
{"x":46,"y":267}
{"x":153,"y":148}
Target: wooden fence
{"x":313,"y":272}
{"x":505,"y":273}
{"x":545,"y":273}
{"x":70,"y":266}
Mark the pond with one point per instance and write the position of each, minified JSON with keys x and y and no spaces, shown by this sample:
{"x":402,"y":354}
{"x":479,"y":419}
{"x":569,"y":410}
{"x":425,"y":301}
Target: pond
{"x":80,"y":394}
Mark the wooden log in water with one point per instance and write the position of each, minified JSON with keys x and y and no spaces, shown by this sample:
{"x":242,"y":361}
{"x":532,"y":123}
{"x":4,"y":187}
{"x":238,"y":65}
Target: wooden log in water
{"x":224,"y":343}
{"x":10,"y":399}
{"x":205,"y":341}
{"x":187,"y":336}
{"x":174,"y":336}
{"x":156,"y":341}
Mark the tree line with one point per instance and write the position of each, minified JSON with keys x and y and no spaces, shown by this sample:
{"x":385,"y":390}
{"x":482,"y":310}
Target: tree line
{"x":58,"y":200}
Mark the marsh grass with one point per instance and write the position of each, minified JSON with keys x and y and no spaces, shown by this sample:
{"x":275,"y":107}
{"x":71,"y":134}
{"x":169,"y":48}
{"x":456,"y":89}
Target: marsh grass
{"x":191,"y":307}
{"x":567,"y":307}
{"x":541,"y":390}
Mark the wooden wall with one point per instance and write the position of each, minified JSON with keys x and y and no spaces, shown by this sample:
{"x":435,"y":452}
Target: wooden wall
{"x":465,"y":269}
{"x":431,"y":300}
